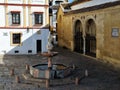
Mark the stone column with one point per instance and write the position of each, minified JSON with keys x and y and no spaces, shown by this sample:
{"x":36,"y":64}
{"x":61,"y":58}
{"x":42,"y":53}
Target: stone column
{"x":84,"y":44}
{"x":84,"y":37}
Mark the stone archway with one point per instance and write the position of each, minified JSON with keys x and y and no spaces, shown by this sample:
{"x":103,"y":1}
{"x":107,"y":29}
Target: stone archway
{"x":90,"y":38}
{"x":78,"y":39}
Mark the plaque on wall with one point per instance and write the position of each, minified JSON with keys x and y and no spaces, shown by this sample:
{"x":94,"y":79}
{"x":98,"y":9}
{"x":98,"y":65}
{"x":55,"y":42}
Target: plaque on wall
{"x":115,"y":32}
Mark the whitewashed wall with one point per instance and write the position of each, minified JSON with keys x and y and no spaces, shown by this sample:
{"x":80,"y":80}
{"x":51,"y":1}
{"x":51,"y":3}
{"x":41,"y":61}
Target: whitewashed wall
{"x":16,"y":8}
{"x":20,"y":8}
{"x":2,"y":16}
{"x":28,"y":41}
{"x":21,"y":1}
{"x":38,"y":1}
{"x":39,"y":9}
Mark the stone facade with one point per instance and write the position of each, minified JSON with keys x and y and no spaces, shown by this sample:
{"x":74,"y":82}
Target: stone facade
{"x":99,"y":30}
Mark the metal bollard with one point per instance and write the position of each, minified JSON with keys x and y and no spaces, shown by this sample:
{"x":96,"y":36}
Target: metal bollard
{"x":86,"y":73}
{"x":47,"y":83}
{"x":76,"y":81}
{"x":12,"y":72}
{"x":27,"y":67}
{"x":17,"y":79}
{"x":73,"y":67}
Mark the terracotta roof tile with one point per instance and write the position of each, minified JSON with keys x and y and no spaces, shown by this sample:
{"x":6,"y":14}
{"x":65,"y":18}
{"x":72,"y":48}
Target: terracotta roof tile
{"x":92,"y":8}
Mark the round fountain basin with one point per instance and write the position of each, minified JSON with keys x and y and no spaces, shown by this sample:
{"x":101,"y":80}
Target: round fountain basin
{"x":57,"y":71}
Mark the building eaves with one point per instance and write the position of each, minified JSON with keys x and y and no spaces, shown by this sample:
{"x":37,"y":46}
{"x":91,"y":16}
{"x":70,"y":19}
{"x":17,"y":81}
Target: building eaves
{"x":92,"y":8}
{"x":65,"y":7}
{"x":55,"y":7}
{"x":78,"y":2}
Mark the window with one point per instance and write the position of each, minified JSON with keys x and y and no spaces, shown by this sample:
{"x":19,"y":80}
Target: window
{"x":50,"y":3}
{"x":50,"y":10}
{"x":38,"y":17}
{"x":15,"y":17}
{"x":58,"y":2}
{"x":16,"y":38}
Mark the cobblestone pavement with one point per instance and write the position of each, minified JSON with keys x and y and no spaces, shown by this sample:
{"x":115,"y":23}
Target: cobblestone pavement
{"x":100,"y":75}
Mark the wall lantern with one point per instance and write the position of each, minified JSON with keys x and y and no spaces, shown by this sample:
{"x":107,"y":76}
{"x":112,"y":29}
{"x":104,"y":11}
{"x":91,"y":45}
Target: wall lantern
{"x":27,"y":29}
{"x":39,"y":32}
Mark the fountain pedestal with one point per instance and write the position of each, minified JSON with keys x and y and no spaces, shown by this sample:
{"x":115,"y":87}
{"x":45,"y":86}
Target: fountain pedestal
{"x":50,"y":70}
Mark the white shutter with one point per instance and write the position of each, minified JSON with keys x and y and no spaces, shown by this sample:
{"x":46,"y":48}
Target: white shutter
{"x":10,"y":18}
{"x":33,"y":19}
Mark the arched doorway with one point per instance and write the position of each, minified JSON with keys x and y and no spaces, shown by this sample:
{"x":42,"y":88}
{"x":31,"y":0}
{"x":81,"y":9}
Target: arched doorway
{"x":78,"y":39}
{"x":90,"y":38}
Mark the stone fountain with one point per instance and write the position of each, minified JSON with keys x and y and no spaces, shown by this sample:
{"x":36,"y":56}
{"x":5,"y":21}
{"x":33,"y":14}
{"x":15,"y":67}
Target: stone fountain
{"x":49,"y":70}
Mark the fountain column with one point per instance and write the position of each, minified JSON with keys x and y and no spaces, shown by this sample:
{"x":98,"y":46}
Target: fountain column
{"x":49,"y":63}
{"x":49,"y":47}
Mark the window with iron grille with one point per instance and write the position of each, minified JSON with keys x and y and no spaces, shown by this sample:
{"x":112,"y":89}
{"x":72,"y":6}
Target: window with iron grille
{"x":38,"y":18}
{"x":16,"y":38}
{"x":15,"y":17}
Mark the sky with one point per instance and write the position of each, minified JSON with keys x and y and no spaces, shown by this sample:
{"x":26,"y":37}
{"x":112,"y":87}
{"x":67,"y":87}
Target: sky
{"x":70,"y":0}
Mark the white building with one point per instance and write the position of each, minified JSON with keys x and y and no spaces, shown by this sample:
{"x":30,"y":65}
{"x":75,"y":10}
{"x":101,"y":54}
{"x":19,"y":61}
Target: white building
{"x":23,"y":26}
{"x":54,"y":5}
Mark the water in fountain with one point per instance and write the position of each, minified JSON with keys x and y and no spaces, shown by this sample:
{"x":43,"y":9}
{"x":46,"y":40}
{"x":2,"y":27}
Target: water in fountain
{"x":44,"y":71}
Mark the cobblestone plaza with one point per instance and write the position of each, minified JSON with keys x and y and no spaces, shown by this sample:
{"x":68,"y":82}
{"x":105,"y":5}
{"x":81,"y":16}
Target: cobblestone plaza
{"x":101,"y":76}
